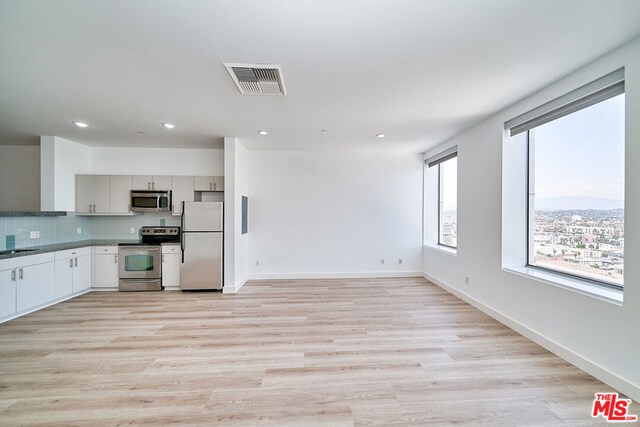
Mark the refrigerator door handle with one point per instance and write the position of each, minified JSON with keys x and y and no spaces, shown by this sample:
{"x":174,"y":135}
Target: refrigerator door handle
{"x":182,"y":232}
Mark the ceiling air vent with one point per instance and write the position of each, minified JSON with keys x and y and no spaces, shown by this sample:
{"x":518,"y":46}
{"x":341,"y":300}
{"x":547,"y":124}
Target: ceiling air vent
{"x":257,"y":79}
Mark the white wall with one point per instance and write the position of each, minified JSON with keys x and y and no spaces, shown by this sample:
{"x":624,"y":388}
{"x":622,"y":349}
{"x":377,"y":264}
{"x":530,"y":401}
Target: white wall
{"x":324,"y":214}
{"x":60,"y":161}
{"x":159,"y":161}
{"x":236,"y":185}
{"x":600,"y":337}
{"x":19,"y":178}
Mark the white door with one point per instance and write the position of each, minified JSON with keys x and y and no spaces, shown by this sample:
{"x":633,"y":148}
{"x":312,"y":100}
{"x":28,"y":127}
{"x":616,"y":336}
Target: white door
{"x":218,"y":183}
{"x":141,"y":182}
{"x":161,"y":182}
{"x":203,"y":183}
{"x":101,"y":193}
{"x":7,"y":292}
{"x":106,"y":271}
{"x":182,"y":192}
{"x":84,"y":193}
{"x":81,"y":273}
{"x":171,"y":269}
{"x":34,"y":285}
{"x":120,"y":193}
{"x":63,"y":278}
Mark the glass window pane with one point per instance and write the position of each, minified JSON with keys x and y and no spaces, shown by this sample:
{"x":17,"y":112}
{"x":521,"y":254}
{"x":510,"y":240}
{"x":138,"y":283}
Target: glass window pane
{"x":577,"y":178}
{"x":448,"y":203}
{"x":138,"y":263}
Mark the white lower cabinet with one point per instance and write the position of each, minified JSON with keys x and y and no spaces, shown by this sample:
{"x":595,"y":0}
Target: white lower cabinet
{"x":34,"y":286}
{"x":105,"y":267}
{"x":171,"y":259}
{"x":8,"y":292}
{"x":74,"y":264}
{"x":25,"y":283}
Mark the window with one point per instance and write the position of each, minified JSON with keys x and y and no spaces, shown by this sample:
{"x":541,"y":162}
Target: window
{"x":576,"y":186}
{"x":446,"y":164}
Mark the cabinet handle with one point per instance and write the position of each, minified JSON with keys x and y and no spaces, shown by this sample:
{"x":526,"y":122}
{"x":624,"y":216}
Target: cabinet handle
{"x":163,"y":258}
{"x":116,"y":261}
{"x":149,"y":185}
{"x":215,"y":187}
{"x":70,"y":262}
{"x":153,"y":185}
{"x":76,"y":262}
{"x":13,"y":275}
{"x":20,"y":274}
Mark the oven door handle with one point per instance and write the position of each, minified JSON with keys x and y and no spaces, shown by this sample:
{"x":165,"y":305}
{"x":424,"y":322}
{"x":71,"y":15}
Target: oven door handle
{"x":158,"y":203}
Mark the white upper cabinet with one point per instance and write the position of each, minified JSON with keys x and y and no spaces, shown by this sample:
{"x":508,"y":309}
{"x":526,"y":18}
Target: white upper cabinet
{"x":111,"y":194}
{"x":92,"y":194}
{"x":148,"y":182}
{"x":120,"y":193}
{"x":209,"y":183}
{"x":182,"y":192}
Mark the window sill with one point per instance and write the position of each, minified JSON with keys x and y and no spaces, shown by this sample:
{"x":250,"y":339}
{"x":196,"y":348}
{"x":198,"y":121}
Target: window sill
{"x":444,"y":249}
{"x":583,"y":287}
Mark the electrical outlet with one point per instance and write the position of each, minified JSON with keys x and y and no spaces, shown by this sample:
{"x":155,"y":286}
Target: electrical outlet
{"x":400,"y":261}
{"x":79,"y":230}
{"x":257,"y":263}
{"x":34,"y":235}
{"x":382,"y":261}
{"x":466,"y":280}
{"x":132,"y":230}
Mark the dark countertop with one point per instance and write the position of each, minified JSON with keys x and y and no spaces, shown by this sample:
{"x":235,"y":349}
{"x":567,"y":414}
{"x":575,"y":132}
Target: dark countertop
{"x":66,"y":245}
{"x":31,"y":213}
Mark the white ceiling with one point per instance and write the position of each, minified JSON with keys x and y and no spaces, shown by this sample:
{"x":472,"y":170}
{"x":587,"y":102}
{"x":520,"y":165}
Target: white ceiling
{"x":418,"y":70}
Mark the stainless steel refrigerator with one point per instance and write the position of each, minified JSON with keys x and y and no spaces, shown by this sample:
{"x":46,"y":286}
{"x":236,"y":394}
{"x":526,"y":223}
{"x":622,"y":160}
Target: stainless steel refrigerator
{"x":201,"y":244}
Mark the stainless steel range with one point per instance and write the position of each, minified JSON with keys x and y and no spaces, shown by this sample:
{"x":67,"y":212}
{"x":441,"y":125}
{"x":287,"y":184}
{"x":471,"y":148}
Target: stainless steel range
{"x":140,"y":264}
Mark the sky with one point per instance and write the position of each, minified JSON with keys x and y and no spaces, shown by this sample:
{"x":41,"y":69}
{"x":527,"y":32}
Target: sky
{"x":450,"y":184}
{"x":582,"y":154}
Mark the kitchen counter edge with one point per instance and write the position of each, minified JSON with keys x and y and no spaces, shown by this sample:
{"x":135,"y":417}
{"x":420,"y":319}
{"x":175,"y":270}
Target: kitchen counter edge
{"x":66,"y":245}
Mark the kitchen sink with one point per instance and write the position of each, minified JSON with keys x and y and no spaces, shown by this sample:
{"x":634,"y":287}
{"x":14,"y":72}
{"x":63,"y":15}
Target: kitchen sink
{"x":16,"y":251}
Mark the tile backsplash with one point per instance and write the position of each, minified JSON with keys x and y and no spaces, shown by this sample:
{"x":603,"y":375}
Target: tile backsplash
{"x":58,"y":229}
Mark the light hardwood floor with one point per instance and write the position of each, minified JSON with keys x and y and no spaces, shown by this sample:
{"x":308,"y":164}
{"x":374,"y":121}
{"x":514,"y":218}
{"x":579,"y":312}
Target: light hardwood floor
{"x":313,"y":352}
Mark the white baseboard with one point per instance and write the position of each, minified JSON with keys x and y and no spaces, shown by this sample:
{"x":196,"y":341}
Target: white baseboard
{"x":599,"y":372}
{"x":45,"y":305}
{"x":236,"y":288}
{"x":344,"y":275}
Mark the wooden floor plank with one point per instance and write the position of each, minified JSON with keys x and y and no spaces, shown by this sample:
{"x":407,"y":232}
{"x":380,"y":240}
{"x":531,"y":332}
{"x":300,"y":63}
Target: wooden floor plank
{"x":291,"y":352}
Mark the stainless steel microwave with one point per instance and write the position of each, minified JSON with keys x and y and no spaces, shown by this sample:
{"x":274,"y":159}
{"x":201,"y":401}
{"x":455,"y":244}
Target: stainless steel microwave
{"x":150,"y":201}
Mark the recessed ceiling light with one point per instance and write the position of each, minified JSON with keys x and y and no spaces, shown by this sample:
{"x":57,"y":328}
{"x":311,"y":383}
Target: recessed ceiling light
{"x":168,"y":125}
{"x":323,"y":130}
{"x":380,"y":135}
{"x":263,"y":132}
{"x":81,"y":124}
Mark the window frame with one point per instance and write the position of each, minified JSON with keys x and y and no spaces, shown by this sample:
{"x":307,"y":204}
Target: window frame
{"x":440,"y":185}
{"x":530,"y":212}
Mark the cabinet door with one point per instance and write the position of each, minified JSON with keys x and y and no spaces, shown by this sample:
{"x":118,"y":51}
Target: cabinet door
{"x":84,"y":193}
{"x":141,"y":182}
{"x":81,"y":273}
{"x":120,"y":193}
{"x":34,"y":286}
{"x":182,"y":192}
{"x":7,"y":293}
{"x":171,"y":269}
{"x":203,"y":183}
{"x":161,"y":182}
{"x":218,"y":183}
{"x":106,"y":271}
{"x":101,"y":193}
{"x":63,"y":278}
